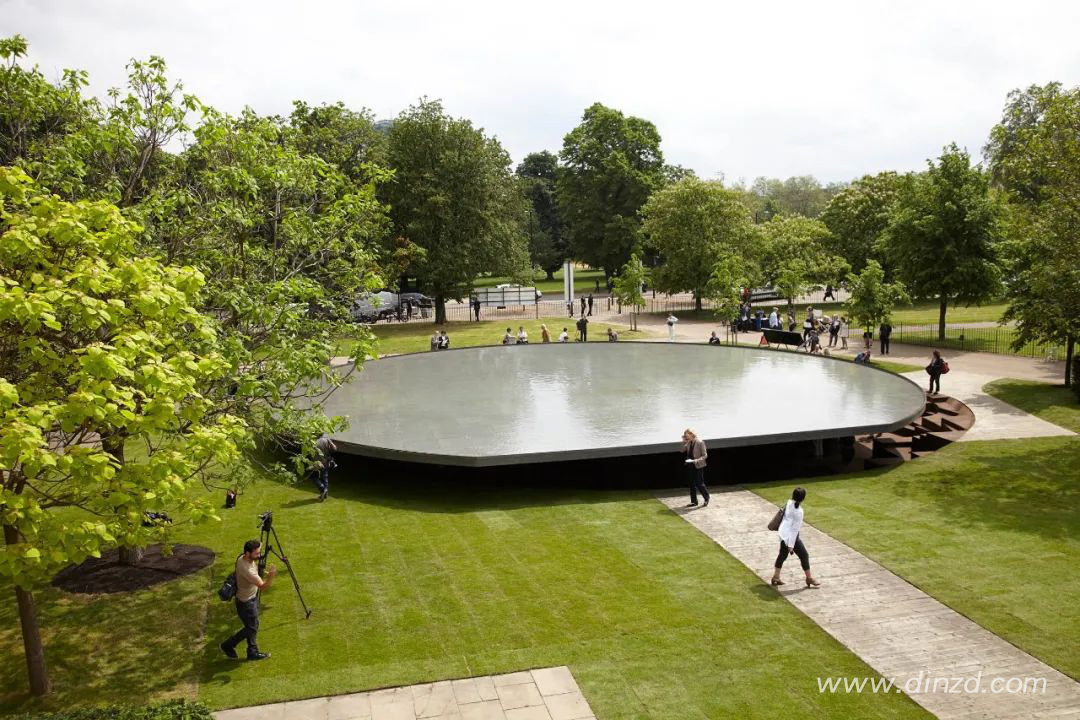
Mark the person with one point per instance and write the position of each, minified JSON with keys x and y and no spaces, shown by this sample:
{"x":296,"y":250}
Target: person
{"x":444,"y":340}
{"x":408,"y":310}
{"x":844,"y":330}
{"x":834,"y":330}
{"x":476,"y":307}
{"x":583,"y":329}
{"x":508,"y":337}
{"x":671,"y":320}
{"x":713,"y":339}
{"x":759,"y":319}
{"x":829,"y":293}
{"x":808,"y":323}
{"x":545,"y":336}
{"x":569,"y":308}
{"x":582,"y":306}
{"x":867,"y":338}
{"x":885,"y":333}
{"x":696,"y":455}
{"x":434,"y":339}
{"x":790,"y":543}
{"x":564,"y":336}
{"x":612,"y":336}
{"x":590,"y":300}
{"x":791,"y":321}
{"x":935,"y":370}
{"x":863,"y":358}
{"x":522,"y":336}
{"x":774,"y":319}
{"x":814,"y":342}
{"x":324,"y":447}
{"x":248,"y":585}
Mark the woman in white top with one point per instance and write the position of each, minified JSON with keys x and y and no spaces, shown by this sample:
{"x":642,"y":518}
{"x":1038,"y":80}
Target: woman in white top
{"x":843,"y":332}
{"x":671,"y":320}
{"x":564,"y":336}
{"x":789,"y":539}
{"x":523,"y":337}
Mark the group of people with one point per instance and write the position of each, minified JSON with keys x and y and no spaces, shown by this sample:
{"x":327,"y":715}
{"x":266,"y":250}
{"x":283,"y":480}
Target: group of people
{"x":522,"y":337}
{"x":440,"y":340}
{"x":586,"y":305}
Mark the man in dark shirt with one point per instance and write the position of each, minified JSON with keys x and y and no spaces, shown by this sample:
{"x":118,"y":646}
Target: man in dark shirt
{"x":885,"y":333}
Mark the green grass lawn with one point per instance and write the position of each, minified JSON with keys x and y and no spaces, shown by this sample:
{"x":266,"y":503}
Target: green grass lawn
{"x":415,"y":580}
{"x":584,"y":281}
{"x":988,"y":528}
{"x":406,"y":338}
{"x":1053,"y":403}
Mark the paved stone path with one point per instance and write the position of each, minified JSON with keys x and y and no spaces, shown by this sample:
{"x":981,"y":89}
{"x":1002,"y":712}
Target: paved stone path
{"x":897,"y":629}
{"x":545,"y":694}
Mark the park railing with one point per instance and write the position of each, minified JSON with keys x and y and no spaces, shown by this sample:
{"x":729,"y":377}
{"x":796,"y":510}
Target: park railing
{"x":996,"y":339}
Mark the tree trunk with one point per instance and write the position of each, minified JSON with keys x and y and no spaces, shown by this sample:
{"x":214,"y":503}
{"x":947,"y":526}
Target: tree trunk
{"x":697,"y":300}
{"x":941,"y":318}
{"x":130,"y":555}
{"x":1069,"y":347}
{"x":31,"y":633}
{"x":440,"y":310}
{"x":550,"y":274}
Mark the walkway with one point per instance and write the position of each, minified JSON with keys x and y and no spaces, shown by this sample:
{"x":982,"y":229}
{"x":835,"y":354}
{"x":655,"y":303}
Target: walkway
{"x":897,"y":629}
{"x":545,"y":694}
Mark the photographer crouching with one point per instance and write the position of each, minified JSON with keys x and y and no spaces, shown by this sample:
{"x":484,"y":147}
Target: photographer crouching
{"x":248,"y":585}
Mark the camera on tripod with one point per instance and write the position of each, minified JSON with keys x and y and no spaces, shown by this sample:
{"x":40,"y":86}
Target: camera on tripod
{"x":266,"y":521}
{"x":267,"y":532}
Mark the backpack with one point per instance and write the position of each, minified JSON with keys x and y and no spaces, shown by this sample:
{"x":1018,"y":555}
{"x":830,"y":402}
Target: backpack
{"x":944,"y":367}
{"x":227,"y":591}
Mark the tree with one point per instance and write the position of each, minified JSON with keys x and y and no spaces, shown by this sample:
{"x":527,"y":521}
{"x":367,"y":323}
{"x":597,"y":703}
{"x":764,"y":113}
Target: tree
{"x":726,"y":282}
{"x":1034,"y":154}
{"x":793,"y":258}
{"x":102,"y":350}
{"x":872,"y":299}
{"x":692,"y":224}
{"x":537,"y":175}
{"x":798,"y":195}
{"x":453,"y":196}
{"x":611,"y":164}
{"x":943,"y":231}
{"x":857,"y":217}
{"x":627,"y":287}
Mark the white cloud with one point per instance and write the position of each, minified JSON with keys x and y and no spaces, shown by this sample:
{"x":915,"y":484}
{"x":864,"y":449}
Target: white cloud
{"x":784,"y":88}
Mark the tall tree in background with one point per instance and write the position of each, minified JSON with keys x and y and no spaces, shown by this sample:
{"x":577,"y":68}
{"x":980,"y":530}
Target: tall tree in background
{"x":692,"y":224}
{"x":342,"y":137}
{"x":792,"y":256}
{"x":627,"y":287}
{"x":611,"y":164}
{"x":537,"y":175}
{"x":943,"y":231}
{"x":1034,"y":155}
{"x":857,"y":217}
{"x":453,"y":195}
{"x":872,"y":299}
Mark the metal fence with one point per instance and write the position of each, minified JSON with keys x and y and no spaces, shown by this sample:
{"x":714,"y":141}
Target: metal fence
{"x":998,"y":339}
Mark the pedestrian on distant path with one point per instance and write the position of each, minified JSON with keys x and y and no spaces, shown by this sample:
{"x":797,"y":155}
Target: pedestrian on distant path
{"x":569,"y":308}
{"x":582,"y":306}
{"x":476,"y":307}
{"x":696,"y":455}
{"x":790,"y":543}
{"x":935,"y":370}
{"x":829,"y":294}
{"x":671,"y":320}
{"x":590,"y":302}
{"x":248,"y":585}
{"x":545,"y":336}
{"x":885,"y":334}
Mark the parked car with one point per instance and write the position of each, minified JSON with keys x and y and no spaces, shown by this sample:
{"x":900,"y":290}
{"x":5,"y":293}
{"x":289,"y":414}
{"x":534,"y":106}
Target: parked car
{"x":417,"y":299}
{"x":373,"y":307}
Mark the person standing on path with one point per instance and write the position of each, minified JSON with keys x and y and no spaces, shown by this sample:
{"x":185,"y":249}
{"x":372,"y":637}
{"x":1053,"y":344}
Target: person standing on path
{"x":886,"y":332}
{"x":696,"y":455}
{"x":582,"y":306}
{"x":590,"y":304}
{"x":834,"y":330}
{"x":570,"y":308}
{"x":248,"y":585}
{"x":476,"y":307}
{"x":671,"y":320}
{"x":844,"y":330}
{"x":935,"y":370}
{"x":790,"y":543}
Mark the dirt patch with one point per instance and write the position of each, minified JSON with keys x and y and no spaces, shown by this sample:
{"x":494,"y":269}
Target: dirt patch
{"x":107,"y":575}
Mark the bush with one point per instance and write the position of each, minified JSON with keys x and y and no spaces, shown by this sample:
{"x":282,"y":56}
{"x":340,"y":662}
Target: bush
{"x":171,"y":710}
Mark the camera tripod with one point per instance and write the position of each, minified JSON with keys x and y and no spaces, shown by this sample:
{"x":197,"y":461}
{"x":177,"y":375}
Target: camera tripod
{"x":266,"y":525}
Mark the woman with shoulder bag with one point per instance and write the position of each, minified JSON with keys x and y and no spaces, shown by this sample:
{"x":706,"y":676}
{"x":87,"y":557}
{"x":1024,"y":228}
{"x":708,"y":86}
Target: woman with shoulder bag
{"x":696,"y":454}
{"x":790,"y":543}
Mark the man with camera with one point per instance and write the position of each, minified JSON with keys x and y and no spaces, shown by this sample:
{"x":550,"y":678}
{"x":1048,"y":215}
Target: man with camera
{"x":248,"y":585}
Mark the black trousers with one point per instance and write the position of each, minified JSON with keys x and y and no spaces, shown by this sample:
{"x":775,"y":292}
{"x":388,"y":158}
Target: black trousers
{"x":697,"y":482}
{"x":249,"y":615}
{"x":800,"y":550}
{"x":884,"y":344}
{"x":935,"y":380}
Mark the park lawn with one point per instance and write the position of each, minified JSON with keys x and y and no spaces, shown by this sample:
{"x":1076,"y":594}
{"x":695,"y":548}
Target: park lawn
{"x":584,"y":281}
{"x":400,"y":338}
{"x":988,"y":528}
{"x":1052,"y":403}
{"x":412,"y":579}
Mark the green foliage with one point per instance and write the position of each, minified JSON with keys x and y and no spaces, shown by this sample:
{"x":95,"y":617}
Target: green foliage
{"x":537,"y":175}
{"x":611,"y":164}
{"x":101,"y":348}
{"x":453,"y":196}
{"x":793,"y":257}
{"x":799,"y":195}
{"x":344,"y":138}
{"x":627,"y":287}
{"x":693,"y":225}
{"x":872,"y":299}
{"x":724,"y":288}
{"x":857,"y":217}
{"x":942,"y":233}
{"x":171,"y":710}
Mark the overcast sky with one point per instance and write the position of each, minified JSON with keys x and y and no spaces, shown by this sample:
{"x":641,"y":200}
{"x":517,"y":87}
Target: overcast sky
{"x":832,"y":89}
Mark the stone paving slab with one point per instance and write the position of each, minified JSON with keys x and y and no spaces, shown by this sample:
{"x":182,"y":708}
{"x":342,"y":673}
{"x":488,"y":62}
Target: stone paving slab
{"x":897,"y":629}
{"x":543,"y":694}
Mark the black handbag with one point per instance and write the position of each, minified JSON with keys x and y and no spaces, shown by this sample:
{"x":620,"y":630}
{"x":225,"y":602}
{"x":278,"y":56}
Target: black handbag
{"x":227,"y":591}
{"x":774,"y":524}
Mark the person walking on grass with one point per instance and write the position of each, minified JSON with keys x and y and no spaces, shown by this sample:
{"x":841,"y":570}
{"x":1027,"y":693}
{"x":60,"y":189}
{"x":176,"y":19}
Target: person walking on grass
{"x":935,"y":370}
{"x":790,"y":543}
{"x":324,"y":449}
{"x":696,"y":455}
{"x":248,"y":585}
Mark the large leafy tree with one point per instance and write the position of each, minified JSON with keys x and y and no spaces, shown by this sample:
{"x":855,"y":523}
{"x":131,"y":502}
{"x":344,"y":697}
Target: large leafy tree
{"x":102,"y":350}
{"x":537,"y":175}
{"x":627,"y":287}
{"x":793,"y":257}
{"x":943,"y":233}
{"x":453,"y":195}
{"x":872,"y":299}
{"x":611,"y":163}
{"x":857,"y":217}
{"x":692,"y":224}
{"x":347,"y":139}
{"x":1034,"y":155}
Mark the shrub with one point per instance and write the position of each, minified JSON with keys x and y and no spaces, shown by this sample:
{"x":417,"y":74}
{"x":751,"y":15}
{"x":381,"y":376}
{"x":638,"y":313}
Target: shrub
{"x":171,"y":710}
